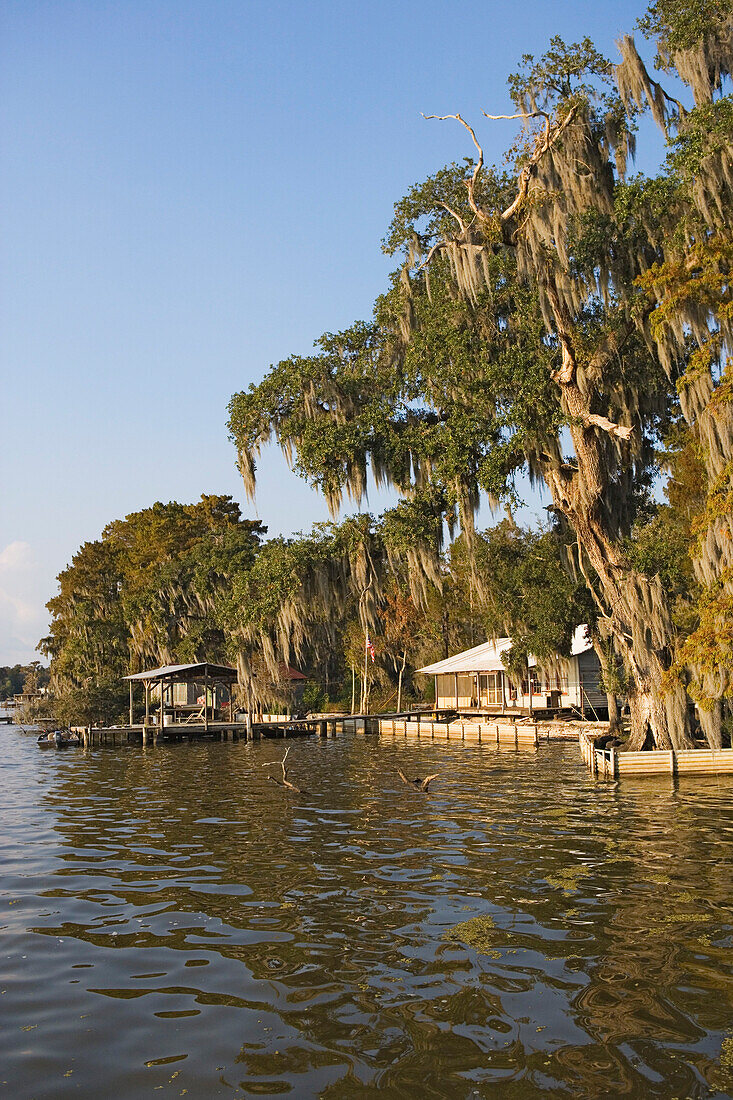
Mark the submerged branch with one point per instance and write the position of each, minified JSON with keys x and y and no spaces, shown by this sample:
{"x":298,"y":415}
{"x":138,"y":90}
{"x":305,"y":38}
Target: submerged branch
{"x":286,"y":784}
{"x":418,"y":784}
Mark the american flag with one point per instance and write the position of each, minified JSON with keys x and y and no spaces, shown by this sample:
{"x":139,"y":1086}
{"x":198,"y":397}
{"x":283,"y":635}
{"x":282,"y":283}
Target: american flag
{"x":370,"y":648}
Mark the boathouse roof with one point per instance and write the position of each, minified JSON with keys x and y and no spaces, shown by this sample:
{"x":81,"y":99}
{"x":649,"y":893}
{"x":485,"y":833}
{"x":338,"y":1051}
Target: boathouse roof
{"x":183,"y":673}
{"x":487,"y":656}
{"x":482,"y":658}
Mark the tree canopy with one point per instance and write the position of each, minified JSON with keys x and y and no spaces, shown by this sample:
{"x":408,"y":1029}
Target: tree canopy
{"x":557,"y":316}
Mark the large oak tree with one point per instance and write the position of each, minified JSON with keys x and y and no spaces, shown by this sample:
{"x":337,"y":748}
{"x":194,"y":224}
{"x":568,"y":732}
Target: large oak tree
{"x":553,"y":317}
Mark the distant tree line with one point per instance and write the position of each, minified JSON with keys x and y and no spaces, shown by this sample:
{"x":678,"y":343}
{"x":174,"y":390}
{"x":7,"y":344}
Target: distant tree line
{"x":15,"y":679}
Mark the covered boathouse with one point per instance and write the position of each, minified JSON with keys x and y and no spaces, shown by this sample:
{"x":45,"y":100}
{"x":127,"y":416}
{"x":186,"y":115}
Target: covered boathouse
{"x":186,"y":694}
{"x":477,"y":680}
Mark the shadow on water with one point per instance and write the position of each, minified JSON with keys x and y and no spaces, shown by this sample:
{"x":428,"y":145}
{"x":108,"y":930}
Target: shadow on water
{"x":174,"y":921}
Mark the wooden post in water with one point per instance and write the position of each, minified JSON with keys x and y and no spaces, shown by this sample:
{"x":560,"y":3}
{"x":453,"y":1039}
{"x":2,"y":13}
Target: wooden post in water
{"x":162,"y":710}
{"x":130,"y":702}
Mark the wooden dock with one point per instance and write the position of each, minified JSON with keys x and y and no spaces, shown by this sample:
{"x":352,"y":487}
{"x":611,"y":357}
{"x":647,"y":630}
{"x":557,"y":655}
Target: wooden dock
{"x":272,"y":726}
{"x":426,"y":725}
{"x":612,"y":764}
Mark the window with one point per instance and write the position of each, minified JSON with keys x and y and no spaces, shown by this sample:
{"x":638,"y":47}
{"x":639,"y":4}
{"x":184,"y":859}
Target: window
{"x":532,"y":680}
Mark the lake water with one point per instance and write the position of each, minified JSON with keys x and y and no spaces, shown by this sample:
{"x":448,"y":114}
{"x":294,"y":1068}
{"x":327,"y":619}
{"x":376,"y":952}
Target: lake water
{"x":173,"y":921}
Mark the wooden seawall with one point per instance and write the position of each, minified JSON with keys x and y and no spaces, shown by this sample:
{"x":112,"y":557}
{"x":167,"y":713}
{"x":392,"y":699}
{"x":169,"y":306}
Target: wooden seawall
{"x":516,"y":734}
{"x":611,"y":764}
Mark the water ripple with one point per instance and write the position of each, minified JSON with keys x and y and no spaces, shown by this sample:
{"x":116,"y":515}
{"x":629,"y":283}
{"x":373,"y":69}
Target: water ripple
{"x":173,"y":921}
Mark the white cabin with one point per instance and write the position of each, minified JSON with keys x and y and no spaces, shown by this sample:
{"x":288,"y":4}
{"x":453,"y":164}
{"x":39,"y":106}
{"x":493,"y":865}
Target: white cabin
{"x":477,"y":680}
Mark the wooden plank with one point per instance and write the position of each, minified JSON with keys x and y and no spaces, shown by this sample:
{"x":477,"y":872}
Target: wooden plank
{"x":645,"y":763}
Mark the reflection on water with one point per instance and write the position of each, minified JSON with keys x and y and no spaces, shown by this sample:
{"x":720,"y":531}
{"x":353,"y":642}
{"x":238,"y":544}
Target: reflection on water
{"x":174,"y":922}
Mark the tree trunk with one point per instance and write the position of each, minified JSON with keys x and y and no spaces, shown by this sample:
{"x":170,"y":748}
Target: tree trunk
{"x":614,"y":717}
{"x":711,"y":724}
{"x":635,"y":607}
{"x":638,"y":615}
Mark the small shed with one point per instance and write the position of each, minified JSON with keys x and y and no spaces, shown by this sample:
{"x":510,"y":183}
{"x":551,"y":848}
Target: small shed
{"x":476,"y":679}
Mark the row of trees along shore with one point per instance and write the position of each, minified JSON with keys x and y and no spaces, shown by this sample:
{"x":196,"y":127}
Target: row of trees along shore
{"x":16,"y":679}
{"x":182,"y":583}
{"x":564,"y":317}
{"x":559,"y":318}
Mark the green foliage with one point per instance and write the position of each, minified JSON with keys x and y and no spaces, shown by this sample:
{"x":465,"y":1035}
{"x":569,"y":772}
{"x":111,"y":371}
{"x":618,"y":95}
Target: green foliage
{"x":458,"y":407}
{"x":148,"y":592}
{"x":423,"y":215}
{"x":680,"y":24}
{"x":15,"y":679}
{"x":707,"y":132}
{"x":661,"y":547}
{"x":103,"y":702}
{"x":564,"y":72}
{"x":523,"y":590}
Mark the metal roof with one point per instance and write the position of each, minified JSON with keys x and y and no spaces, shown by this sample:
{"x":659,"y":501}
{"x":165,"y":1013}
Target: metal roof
{"x":183,"y":673}
{"x":482,"y":658}
{"x":487,"y":656}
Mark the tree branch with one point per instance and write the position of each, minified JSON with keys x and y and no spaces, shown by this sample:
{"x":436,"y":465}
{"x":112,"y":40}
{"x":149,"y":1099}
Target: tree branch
{"x":524,"y":114}
{"x":285,"y":781}
{"x":453,"y":214}
{"x":620,"y":431}
{"x":470,"y":184}
{"x":526,"y":174}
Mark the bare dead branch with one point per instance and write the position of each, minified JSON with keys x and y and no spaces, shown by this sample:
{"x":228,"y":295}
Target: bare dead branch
{"x":455,"y":215}
{"x":552,"y":134}
{"x":596,"y":421}
{"x":417,"y":784}
{"x":436,"y":248}
{"x":285,"y":781}
{"x":524,"y":114}
{"x":470,"y":184}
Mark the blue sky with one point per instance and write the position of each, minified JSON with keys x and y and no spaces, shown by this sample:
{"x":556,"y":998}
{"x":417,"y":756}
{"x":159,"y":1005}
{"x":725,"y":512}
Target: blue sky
{"x":189,"y":192}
